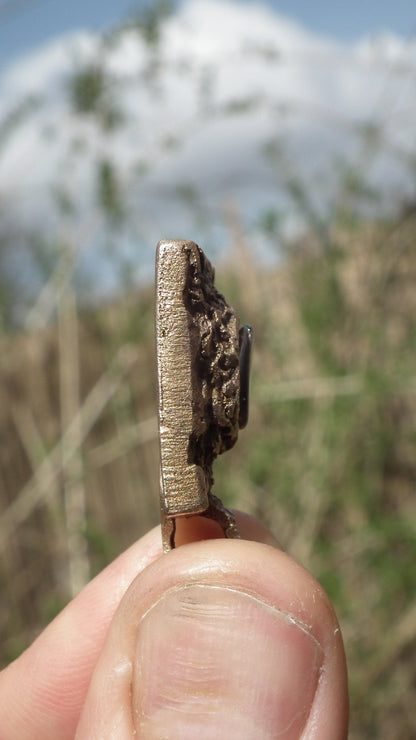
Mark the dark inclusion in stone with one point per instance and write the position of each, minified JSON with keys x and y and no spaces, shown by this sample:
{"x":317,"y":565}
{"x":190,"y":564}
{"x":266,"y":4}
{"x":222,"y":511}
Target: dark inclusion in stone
{"x":245,"y":335}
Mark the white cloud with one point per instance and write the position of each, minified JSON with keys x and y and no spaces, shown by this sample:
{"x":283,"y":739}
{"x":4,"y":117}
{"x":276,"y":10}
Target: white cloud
{"x":228,"y":79}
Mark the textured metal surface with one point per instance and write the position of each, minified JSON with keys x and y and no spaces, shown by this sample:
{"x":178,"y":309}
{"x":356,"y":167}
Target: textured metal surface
{"x":198,"y":355}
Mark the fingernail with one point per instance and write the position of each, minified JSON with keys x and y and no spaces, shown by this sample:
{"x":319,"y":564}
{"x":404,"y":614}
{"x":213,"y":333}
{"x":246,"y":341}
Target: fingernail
{"x":216,"y":662}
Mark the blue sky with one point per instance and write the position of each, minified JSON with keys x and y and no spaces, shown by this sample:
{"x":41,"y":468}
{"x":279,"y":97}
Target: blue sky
{"x":308,"y":121}
{"x":25,"y":24}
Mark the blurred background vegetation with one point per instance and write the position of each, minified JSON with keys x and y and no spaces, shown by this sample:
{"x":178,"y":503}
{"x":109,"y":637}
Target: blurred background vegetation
{"x":327,"y":460}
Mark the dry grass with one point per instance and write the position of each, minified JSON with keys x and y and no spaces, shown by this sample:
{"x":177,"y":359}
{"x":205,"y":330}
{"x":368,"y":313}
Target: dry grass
{"x":79,"y":446}
{"x":327,"y":460}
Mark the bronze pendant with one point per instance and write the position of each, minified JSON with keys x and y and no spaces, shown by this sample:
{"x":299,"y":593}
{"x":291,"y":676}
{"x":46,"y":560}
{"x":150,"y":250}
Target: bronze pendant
{"x":203,"y":364}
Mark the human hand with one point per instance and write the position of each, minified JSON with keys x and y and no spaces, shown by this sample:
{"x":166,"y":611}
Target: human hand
{"x":217,"y":639}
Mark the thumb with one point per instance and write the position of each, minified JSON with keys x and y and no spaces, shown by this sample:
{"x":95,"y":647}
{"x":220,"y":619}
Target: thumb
{"x":220,"y":639}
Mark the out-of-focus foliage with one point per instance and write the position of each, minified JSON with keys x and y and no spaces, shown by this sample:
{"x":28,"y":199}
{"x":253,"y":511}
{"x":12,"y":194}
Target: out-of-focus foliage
{"x":327,"y":460}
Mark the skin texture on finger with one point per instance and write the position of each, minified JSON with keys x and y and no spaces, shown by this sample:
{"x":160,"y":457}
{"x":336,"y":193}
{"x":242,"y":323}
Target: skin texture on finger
{"x":114,"y":705}
{"x":197,"y":528}
{"x":43,"y":691}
